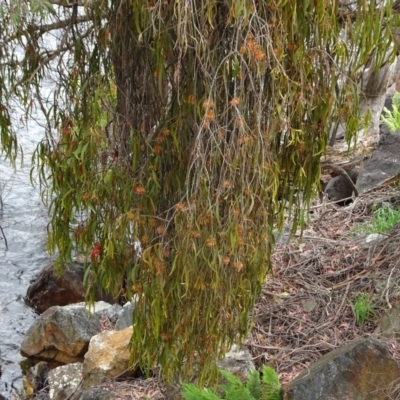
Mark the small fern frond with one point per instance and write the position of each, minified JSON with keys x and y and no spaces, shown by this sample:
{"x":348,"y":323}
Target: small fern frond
{"x":254,"y":385}
{"x":272,"y":387}
{"x":235,"y":389}
{"x":392,"y":118}
{"x":193,"y":392}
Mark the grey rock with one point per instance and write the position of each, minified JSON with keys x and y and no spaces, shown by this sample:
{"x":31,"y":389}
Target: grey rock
{"x":309,"y":305}
{"x":237,"y":360}
{"x":388,"y":104}
{"x":384,"y":131}
{"x":390,"y":323}
{"x":64,"y":381}
{"x":339,"y":188}
{"x":113,"y":313}
{"x":359,"y":370}
{"x":125,"y":316}
{"x":374,"y":237}
{"x":97,"y":394}
{"x":38,"y":375}
{"x":62,"y":334}
{"x":383,"y":128}
{"x":383,"y":164}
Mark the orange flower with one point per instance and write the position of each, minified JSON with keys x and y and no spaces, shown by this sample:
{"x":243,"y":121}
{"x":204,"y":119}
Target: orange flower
{"x":210,"y":115}
{"x":221,"y":133}
{"x":160,"y":139}
{"x":160,"y":229}
{"x":157,"y":149}
{"x":95,"y":252}
{"x":259,"y":55}
{"x":165,"y":253}
{"x":139,"y":190}
{"x":179,"y":207}
{"x":144,"y":240}
{"x":137,"y":288}
{"x":211,"y":242}
{"x":244,"y":139}
{"x":208,"y":104}
{"x":226,"y":260}
{"x":234,"y":101}
{"x":238,"y":266}
{"x":164,"y":337}
{"x":152,"y":222}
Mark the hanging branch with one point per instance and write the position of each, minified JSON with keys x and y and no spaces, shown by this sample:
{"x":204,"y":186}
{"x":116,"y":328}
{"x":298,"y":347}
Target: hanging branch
{"x":221,"y":111}
{"x":4,"y":237}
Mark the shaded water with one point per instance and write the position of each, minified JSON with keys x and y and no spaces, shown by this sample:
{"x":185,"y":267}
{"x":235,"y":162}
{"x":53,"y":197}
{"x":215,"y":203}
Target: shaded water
{"x":23,"y":219}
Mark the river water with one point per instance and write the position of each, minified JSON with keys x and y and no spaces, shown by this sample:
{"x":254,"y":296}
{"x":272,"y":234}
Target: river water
{"x":23,"y":220}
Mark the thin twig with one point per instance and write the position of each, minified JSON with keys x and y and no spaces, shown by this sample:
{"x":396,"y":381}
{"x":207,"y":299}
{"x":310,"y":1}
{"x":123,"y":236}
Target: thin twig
{"x":386,"y":290}
{"x":4,"y":237}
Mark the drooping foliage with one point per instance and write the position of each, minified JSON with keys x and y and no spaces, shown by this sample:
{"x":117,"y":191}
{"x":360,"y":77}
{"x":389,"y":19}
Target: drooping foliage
{"x":178,"y":133}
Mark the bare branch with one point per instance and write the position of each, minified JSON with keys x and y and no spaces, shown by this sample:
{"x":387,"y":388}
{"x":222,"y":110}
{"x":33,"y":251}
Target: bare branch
{"x":67,"y":3}
{"x":4,"y":237}
{"x":52,"y":55}
{"x":42,"y":29}
{"x":60,"y":24}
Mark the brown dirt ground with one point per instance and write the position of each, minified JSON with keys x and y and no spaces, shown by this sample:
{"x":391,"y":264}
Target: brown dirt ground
{"x":306,"y":308}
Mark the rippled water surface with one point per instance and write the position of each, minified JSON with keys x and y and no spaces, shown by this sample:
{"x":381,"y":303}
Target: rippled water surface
{"x":23,"y":219}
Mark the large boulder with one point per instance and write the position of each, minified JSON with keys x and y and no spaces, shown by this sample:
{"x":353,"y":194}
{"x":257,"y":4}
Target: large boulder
{"x":62,"y":334}
{"x":108,"y":357}
{"x":360,"y":370}
{"x":64,"y":382}
{"x":49,"y":289}
{"x":339,"y":187}
{"x":383,"y":164}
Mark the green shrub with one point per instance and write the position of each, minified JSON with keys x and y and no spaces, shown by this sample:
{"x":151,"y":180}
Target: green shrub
{"x":385,"y":217}
{"x":267,"y":388}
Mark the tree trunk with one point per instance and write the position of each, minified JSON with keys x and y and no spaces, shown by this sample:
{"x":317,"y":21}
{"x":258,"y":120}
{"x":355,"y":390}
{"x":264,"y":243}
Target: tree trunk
{"x":138,"y":106}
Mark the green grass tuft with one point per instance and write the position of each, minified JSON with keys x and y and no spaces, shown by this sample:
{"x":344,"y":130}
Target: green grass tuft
{"x":363,"y":309}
